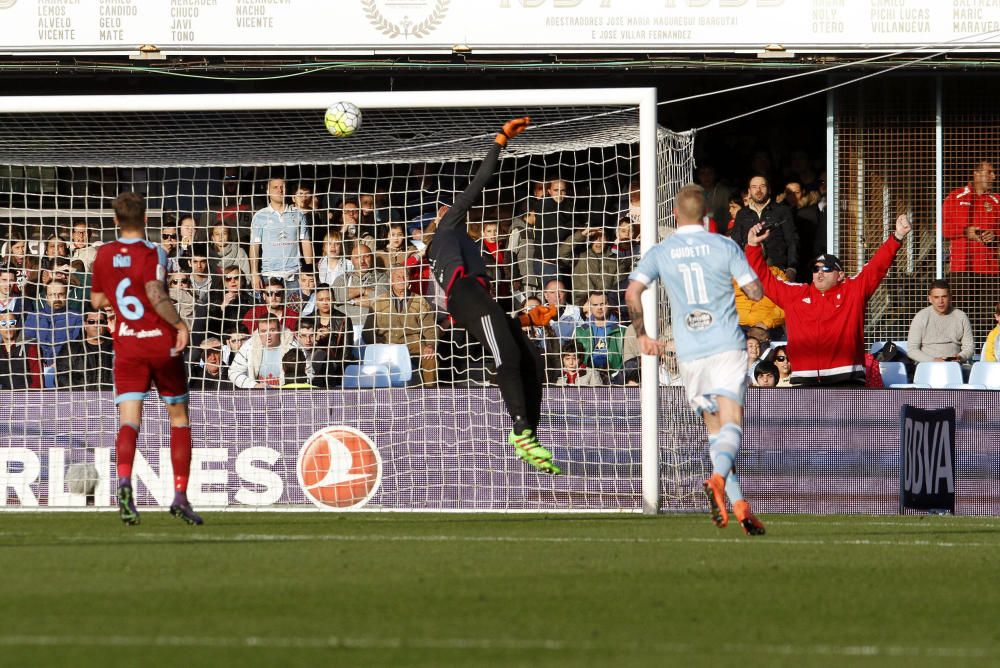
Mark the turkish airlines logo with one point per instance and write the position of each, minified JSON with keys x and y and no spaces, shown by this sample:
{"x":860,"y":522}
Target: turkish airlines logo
{"x":339,"y":468}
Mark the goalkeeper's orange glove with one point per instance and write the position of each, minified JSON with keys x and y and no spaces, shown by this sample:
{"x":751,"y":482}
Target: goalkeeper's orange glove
{"x":538,"y":316}
{"x":511,"y":129}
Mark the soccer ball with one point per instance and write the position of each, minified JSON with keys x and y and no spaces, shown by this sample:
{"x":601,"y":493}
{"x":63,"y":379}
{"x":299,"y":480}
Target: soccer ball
{"x":343,"y":119}
{"x":81,"y":478}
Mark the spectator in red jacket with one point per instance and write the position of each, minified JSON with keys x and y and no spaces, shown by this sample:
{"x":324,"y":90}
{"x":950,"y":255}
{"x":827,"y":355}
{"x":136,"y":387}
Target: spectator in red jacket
{"x":972,"y":223}
{"x":274,"y":306}
{"x":971,"y":216}
{"x":825,"y":319}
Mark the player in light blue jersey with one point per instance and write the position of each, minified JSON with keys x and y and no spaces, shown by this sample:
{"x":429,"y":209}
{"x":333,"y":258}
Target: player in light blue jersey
{"x":697,"y":268}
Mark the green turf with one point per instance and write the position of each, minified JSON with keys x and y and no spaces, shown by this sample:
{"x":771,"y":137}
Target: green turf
{"x":436,"y":590}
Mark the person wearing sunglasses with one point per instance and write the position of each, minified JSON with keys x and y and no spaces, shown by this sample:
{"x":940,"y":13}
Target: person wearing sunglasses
{"x":825,"y":318}
{"x":227,"y":307}
{"x":87,"y":362}
{"x":20,"y":357}
{"x":274,"y":305}
{"x":179,"y":290}
{"x":779,"y":356}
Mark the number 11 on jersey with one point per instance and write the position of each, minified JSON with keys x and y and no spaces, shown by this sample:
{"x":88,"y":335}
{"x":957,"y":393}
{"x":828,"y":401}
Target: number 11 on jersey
{"x":694,"y":283}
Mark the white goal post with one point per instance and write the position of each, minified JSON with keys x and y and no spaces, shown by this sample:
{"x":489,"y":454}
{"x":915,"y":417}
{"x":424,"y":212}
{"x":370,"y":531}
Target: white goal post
{"x":63,"y":159}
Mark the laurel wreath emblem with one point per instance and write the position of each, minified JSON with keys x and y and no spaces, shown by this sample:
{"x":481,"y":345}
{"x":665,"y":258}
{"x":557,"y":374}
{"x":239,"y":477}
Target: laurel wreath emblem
{"x":7,"y":4}
{"x":391,"y":29}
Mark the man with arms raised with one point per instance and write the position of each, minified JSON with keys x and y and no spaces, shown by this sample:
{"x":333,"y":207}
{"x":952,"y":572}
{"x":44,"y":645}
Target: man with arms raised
{"x":825,"y":319}
{"x":148,"y":341}
{"x":698,"y":268}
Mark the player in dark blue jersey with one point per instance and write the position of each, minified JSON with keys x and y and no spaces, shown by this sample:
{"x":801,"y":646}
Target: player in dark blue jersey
{"x":457,"y":264}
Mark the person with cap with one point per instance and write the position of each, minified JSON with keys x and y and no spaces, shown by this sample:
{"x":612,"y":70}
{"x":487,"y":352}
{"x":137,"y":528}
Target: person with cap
{"x":825,"y":318}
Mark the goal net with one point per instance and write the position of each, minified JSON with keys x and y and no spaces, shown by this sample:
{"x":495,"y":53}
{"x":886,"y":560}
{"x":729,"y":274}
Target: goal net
{"x":324,"y":369}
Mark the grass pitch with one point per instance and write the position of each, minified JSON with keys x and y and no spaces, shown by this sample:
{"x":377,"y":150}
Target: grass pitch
{"x":280,"y":589}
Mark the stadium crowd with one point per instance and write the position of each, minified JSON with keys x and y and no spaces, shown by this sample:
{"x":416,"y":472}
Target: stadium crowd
{"x":290,"y":292}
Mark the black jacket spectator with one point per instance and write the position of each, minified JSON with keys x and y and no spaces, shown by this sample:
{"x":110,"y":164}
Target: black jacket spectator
{"x":781,"y":247}
{"x":554,"y":222}
{"x":220,"y":317}
{"x":20,"y":366}
{"x":330,"y":352}
{"x":204,"y":380}
{"x":83,"y":365}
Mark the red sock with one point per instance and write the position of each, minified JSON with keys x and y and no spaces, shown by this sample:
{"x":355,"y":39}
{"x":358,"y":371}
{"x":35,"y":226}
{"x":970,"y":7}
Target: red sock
{"x":180,"y":456}
{"x":125,"y":449}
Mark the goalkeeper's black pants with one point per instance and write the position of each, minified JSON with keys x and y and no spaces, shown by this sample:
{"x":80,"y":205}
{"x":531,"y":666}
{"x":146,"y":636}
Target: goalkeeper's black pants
{"x":520,"y":370}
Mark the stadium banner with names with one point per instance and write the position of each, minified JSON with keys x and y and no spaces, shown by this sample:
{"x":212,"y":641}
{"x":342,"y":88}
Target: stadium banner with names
{"x":491,"y":26}
{"x":445,"y":449}
{"x":927,"y":459}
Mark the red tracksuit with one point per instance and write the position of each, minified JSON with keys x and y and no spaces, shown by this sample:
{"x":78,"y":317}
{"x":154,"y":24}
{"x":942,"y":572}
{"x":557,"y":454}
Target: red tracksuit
{"x":826,"y":330}
{"x":963,"y":208}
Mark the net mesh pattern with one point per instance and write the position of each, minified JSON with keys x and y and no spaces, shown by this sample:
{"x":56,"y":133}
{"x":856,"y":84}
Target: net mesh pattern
{"x":368,"y":199}
{"x":297,"y":137}
{"x":886,"y":146}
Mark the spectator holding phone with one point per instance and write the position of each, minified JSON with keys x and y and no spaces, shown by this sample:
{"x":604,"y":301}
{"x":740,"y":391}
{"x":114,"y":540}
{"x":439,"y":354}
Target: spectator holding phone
{"x":782,"y":244}
{"x":939,"y":332}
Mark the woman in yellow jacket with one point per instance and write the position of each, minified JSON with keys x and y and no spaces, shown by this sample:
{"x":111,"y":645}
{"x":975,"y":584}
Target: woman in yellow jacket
{"x":991,"y":349}
{"x":763,"y":313}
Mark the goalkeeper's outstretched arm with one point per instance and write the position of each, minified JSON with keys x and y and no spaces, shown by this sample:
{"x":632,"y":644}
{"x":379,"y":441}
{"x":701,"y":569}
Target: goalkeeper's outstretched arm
{"x":456,"y":215}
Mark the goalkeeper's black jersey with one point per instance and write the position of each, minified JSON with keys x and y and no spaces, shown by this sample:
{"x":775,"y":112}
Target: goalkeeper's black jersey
{"x":452,"y":253}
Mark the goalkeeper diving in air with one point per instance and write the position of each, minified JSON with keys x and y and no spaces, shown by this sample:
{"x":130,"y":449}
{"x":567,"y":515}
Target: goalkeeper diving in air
{"x":457,"y":264}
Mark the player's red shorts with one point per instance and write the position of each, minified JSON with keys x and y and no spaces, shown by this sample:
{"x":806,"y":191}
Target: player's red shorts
{"x":135,"y":376}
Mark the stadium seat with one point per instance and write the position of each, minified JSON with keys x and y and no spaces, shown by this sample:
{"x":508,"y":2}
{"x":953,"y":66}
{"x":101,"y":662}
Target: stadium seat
{"x":893,"y":373}
{"x":938,"y":374}
{"x":366,"y":375}
{"x":395,"y":357}
{"x":356,"y":346}
{"x":986,"y":374}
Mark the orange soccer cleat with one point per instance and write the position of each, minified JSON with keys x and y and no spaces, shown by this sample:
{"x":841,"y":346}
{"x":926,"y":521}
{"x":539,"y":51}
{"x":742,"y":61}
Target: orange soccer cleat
{"x":748,"y":521}
{"x":715,"y":490}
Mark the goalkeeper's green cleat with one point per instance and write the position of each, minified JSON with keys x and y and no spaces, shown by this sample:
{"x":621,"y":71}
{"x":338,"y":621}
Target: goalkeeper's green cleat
{"x":126,"y":506}
{"x":527,"y":447}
